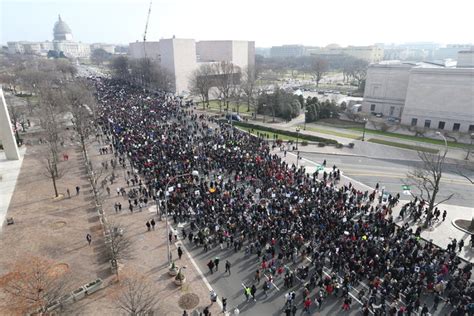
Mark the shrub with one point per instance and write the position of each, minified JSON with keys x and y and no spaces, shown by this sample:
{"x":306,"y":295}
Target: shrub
{"x":350,"y":145}
{"x":309,"y":138}
{"x":304,"y":143}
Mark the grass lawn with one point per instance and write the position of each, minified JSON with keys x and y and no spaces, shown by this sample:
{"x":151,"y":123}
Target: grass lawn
{"x":255,"y":131}
{"x":400,"y":145}
{"x":328,"y":132}
{"x":439,"y":142}
{"x":214,"y":104}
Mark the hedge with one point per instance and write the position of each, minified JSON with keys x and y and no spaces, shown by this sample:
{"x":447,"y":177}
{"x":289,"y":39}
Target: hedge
{"x":307,"y":137}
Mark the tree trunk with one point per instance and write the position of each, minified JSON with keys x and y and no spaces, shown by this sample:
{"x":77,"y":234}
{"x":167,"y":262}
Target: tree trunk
{"x":54,"y":185}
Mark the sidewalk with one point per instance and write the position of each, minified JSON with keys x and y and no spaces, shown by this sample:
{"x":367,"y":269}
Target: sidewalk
{"x":149,"y":256}
{"x":441,"y":233}
{"x":9,"y":171}
{"x":364,"y":148}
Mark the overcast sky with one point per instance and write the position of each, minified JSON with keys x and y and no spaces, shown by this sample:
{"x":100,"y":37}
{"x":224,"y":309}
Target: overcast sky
{"x":267,"y":22}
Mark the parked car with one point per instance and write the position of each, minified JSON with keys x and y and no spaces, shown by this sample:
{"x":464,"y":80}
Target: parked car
{"x":234,"y":117}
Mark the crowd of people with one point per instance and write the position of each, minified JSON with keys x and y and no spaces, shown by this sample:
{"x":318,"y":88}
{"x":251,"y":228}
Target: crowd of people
{"x":249,"y":199}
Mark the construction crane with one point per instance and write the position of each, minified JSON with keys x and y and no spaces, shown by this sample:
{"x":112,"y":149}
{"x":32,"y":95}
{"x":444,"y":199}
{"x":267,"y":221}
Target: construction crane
{"x":146,"y":29}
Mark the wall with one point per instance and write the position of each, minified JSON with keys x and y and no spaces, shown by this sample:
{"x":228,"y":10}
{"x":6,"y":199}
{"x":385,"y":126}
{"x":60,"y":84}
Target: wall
{"x":214,"y":50}
{"x":386,"y":87}
{"x":136,"y":50}
{"x":444,"y":94}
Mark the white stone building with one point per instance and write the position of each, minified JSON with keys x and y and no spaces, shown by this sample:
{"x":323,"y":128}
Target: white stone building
{"x":62,"y":42}
{"x":424,"y":95}
{"x":182,"y":56}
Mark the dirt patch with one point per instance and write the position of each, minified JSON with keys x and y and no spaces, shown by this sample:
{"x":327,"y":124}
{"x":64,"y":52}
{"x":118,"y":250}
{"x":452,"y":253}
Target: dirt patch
{"x":188,"y":301}
{"x":58,"y":224}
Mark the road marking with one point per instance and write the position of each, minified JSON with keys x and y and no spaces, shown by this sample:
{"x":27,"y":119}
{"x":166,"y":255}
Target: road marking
{"x":276,"y":287}
{"x":206,"y":282}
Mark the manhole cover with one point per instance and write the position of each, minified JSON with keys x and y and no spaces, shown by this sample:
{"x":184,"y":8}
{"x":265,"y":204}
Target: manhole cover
{"x":58,"y":224}
{"x":60,"y":269}
{"x":188,"y":301}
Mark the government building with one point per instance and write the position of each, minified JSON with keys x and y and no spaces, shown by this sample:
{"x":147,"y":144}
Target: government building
{"x":63,"y":41}
{"x":424,"y":95}
{"x":182,"y":56}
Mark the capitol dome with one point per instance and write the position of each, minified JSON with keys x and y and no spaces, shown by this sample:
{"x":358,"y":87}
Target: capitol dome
{"x":61,"y":31}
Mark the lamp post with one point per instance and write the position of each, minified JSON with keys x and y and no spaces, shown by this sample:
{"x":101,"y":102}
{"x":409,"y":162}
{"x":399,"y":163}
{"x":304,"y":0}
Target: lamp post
{"x":363,"y":133}
{"x":305,"y":113}
{"x":297,"y":136}
{"x":194,"y":173}
{"x":264,"y":106}
{"x":445,"y":142}
{"x":469,"y":149}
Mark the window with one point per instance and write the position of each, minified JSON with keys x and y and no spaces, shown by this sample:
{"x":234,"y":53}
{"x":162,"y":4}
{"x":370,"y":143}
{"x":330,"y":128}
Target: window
{"x":392,"y":109}
{"x":427,"y":123}
{"x":414,"y":121}
{"x":456,"y":127}
{"x":471,"y":128}
{"x":372,"y":107}
{"x":441,"y":125}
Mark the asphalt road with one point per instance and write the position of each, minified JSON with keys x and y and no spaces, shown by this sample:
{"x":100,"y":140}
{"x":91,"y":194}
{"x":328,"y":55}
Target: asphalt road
{"x":389,"y":173}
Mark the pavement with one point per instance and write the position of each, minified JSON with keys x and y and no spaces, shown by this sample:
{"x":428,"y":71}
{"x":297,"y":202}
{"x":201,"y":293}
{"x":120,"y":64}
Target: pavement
{"x":9,"y":171}
{"x":362,"y":148}
{"x":441,"y":233}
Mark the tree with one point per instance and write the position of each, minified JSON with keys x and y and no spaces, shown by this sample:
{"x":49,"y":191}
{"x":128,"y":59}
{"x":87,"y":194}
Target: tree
{"x":201,"y":82}
{"x":148,"y":73}
{"x":426,"y":178}
{"x":49,"y":112}
{"x":53,"y":172}
{"x":359,"y":71}
{"x":120,"y":68}
{"x":100,"y":55}
{"x":66,"y":68}
{"x":81,"y":104}
{"x":319,"y":67}
{"x":135,"y":295}
{"x":248,"y":86}
{"x":32,"y":285}
{"x":120,"y":245}
{"x":227,"y":76}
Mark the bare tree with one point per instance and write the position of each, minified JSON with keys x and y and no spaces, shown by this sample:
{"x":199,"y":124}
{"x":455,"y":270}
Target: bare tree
{"x":53,"y":171}
{"x":120,"y":67}
{"x":136,"y":295}
{"x":120,"y":245}
{"x":427,"y":178}
{"x":201,"y":82}
{"x":359,"y":71}
{"x":32,"y":285}
{"x":319,"y":68}
{"x":81,"y":105}
{"x":227,"y":77}
{"x":248,"y":87}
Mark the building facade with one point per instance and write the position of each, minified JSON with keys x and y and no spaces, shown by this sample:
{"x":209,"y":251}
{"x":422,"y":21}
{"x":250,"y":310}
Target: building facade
{"x":424,"y":95}
{"x":286,"y":51}
{"x":63,"y":41}
{"x":182,"y":56}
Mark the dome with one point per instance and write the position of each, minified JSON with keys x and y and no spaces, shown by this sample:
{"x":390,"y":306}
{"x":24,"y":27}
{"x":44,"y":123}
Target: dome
{"x":333,"y":45}
{"x":61,"y":31}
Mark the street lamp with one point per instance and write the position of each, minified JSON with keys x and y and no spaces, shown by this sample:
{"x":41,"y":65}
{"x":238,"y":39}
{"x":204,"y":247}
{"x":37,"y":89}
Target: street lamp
{"x":264,"y":106}
{"x":195,"y":173}
{"x":305,"y":113}
{"x":297,"y":136}
{"x":363,"y":133}
{"x":445,"y":142}
{"x":469,"y":149}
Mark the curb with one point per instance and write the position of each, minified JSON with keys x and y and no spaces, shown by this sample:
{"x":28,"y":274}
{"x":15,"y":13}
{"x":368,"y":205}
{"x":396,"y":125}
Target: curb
{"x":460,"y":228}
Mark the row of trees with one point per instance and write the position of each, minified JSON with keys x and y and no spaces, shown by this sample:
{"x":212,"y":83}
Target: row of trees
{"x":316,"y":109}
{"x":144,"y":71}
{"x":279,"y":103}
{"x":226,"y":82}
{"x":353,"y":69}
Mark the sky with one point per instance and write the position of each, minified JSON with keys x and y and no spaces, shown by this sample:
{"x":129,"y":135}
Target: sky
{"x":267,"y":22}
